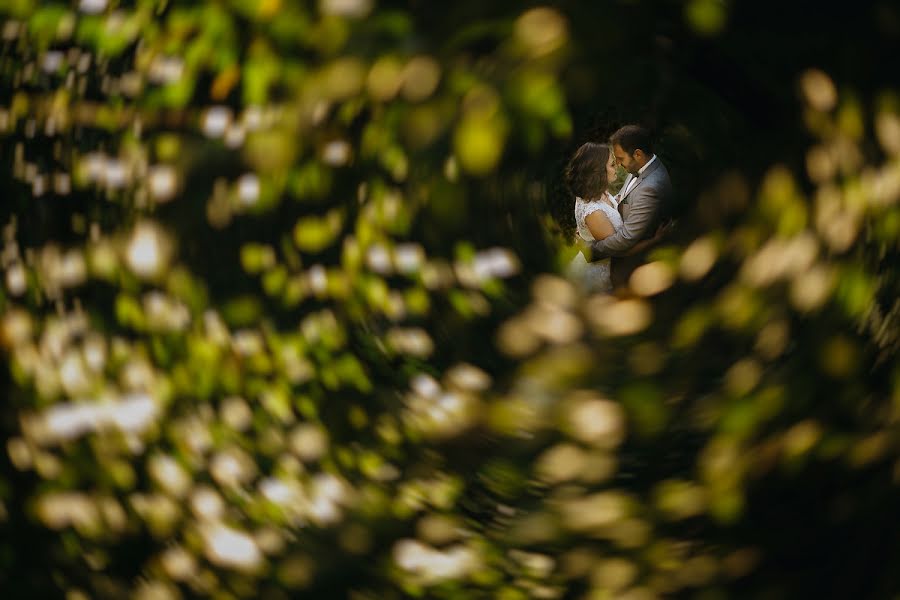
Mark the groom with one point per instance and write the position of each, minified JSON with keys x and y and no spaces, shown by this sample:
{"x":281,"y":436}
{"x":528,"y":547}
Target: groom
{"x":643,"y":202}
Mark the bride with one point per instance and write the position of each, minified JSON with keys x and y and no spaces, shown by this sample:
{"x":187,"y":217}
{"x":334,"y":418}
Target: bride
{"x":588,"y":176}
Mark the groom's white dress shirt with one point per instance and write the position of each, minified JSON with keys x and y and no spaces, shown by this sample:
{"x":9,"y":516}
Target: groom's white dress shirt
{"x":634,"y":179}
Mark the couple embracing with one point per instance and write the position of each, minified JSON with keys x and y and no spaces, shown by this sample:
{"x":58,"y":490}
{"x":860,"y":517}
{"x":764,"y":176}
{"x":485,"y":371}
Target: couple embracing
{"x":616,"y":231}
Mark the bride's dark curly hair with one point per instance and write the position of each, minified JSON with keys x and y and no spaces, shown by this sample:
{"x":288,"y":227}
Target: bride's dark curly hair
{"x":586,"y":171}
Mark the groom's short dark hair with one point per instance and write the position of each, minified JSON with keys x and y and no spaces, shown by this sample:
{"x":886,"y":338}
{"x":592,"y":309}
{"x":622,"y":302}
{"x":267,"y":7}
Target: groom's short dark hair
{"x":632,"y":137}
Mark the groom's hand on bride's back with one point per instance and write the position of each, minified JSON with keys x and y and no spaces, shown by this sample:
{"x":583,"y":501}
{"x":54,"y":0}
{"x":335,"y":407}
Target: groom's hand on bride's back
{"x":663,"y":231}
{"x":587,"y":249}
{"x":592,"y":254}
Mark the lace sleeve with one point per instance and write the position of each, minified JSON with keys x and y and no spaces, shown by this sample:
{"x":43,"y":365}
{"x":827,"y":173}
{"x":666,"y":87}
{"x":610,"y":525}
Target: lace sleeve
{"x":608,"y":211}
{"x":591,"y":209}
{"x":603,"y":228}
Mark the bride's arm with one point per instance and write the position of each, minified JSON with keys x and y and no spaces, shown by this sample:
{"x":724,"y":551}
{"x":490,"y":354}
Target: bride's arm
{"x":599,"y":225}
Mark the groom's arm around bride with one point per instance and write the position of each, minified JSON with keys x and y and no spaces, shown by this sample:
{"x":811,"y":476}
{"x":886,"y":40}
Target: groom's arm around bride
{"x":643,"y":201}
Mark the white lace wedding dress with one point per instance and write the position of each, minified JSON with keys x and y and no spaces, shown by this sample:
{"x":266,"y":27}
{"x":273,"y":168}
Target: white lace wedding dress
{"x":594,"y":276}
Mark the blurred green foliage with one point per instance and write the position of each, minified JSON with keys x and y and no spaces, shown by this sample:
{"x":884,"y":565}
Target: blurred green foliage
{"x":280,"y":320}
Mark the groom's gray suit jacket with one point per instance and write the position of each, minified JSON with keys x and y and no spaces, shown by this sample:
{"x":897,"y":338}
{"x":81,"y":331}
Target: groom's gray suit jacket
{"x":642,"y":209}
